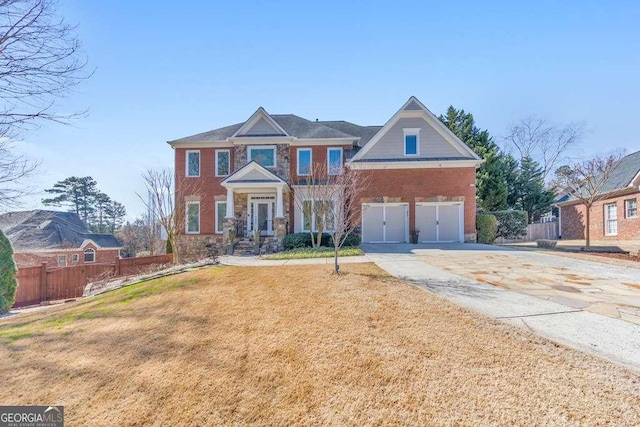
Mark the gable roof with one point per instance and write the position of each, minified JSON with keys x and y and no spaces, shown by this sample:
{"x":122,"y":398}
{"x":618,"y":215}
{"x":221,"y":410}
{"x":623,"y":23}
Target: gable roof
{"x":292,"y":125}
{"x":253,"y":173}
{"x":410,"y":108}
{"x":43,"y":230}
{"x":269,"y":127}
{"x":627,"y":170}
{"x":365,"y":133}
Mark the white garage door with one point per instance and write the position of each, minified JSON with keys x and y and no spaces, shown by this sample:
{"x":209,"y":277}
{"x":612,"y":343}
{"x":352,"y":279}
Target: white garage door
{"x":385,"y":222}
{"x":440,"y":222}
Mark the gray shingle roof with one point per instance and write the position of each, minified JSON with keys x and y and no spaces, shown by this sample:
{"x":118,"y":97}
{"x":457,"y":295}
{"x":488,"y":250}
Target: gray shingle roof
{"x":294,"y":125}
{"x":40,"y":229}
{"x":626,"y":169}
{"x":365,"y":133}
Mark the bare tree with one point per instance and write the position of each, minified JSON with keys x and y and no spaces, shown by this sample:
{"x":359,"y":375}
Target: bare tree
{"x":15,"y":172}
{"x":344,"y":208}
{"x":546,"y":143}
{"x":160,"y":200}
{"x":40,"y":62}
{"x":161,"y":188}
{"x":585,"y":181}
{"x":311,"y":197}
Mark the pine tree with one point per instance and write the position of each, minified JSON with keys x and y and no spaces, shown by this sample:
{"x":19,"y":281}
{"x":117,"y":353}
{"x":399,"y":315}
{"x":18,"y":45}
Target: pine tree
{"x":75,"y":193}
{"x":8,"y":282}
{"x":529,"y":193}
{"x":491,"y":188}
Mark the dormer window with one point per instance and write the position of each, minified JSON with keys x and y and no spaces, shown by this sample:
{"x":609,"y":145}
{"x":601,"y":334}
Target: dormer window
{"x":411,"y":142}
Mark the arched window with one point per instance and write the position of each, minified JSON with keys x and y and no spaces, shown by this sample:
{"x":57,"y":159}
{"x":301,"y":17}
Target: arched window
{"x":89,"y":255}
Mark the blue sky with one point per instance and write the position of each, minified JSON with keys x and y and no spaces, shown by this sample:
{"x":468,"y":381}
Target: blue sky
{"x":181,"y":68}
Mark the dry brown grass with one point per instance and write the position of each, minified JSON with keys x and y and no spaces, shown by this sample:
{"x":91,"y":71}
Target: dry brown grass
{"x":297,"y":345}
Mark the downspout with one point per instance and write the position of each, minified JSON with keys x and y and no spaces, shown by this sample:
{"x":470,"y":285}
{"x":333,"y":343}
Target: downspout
{"x":559,"y":222}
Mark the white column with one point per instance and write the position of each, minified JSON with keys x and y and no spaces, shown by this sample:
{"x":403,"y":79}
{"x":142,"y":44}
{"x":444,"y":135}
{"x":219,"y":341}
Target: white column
{"x":279,"y":203}
{"x":230,"y":208}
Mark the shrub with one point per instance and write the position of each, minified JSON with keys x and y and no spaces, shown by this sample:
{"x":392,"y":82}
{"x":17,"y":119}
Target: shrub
{"x":303,"y":240}
{"x":546,"y":243}
{"x":487,"y":226}
{"x":168,"y":247}
{"x":351,"y":240}
{"x":511,"y":224}
{"x":8,"y":282}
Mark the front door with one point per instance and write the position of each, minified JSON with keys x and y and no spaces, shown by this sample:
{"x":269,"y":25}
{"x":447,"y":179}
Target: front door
{"x":261,"y":210}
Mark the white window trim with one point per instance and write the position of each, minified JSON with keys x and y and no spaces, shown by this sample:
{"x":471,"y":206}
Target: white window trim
{"x":228,"y":160}
{"x":299,"y":150}
{"x":64,"y":257}
{"x":626,"y":209}
{"x":263,"y":147}
{"x":607,"y":219}
{"x":84,"y":258}
{"x":313,"y":218}
{"x":329,"y":150}
{"x":75,"y":258}
{"x":186,"y":217}
{"x":186,"y":163}
{"x":411,"y":132}
{"x":219,"y":231}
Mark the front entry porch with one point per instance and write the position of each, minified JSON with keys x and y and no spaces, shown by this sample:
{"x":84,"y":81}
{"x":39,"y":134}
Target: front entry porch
{"x":256,"y":208}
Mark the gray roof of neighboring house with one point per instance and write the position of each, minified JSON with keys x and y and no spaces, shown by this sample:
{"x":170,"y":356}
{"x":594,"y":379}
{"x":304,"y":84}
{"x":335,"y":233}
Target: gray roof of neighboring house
{"x":294,"y":125}
{"x":627,"y":168}
{"x":40,"y":229}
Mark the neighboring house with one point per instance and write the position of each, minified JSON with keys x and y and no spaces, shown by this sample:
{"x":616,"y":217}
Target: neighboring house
{"x":615,"y":216}
{"x":243,"y":176}
{"x":58,"y":238}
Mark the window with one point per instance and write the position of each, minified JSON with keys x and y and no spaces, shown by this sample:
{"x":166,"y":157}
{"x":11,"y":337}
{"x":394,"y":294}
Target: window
{"x":223,"y":162}
{"x":193,"y":218}
{"x":221,"y":212}
{"x":74,"y":258}
{"x":631,"y":208}
{"x":611,"y":219}
{"x":62,"y":260}
{"x":334,"y":161}
{"x":321,"y":213}
{"x":411,"y":142}
{"x":89,"y":255}
{"x":193,"y":163}
{"x":264,"y":155}
{"x":304,"y":161}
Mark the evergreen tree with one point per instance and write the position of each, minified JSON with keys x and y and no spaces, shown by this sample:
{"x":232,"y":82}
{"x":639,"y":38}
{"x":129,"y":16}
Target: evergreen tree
{"x":529,"y":193}
{"x":115,"y":214}
{"x":8,"y":282}
{"x":491,"y":188}
{"x":76,"y":193}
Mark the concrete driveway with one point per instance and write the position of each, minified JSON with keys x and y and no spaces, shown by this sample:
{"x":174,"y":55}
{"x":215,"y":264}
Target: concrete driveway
{"x":587,"y":305}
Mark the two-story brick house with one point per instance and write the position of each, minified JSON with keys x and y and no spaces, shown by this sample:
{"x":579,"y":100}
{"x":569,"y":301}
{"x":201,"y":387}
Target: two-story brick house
{"x":243,"y":177}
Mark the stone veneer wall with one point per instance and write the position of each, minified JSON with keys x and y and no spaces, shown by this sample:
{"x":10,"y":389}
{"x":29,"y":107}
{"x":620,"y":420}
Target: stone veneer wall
{"x":192,"y":247}
{"x":282,"y":159}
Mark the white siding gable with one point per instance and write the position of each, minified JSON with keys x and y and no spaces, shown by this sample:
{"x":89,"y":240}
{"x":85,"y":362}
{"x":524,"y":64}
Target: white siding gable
{"x":432,"y":143}
{"x":262,"y":127}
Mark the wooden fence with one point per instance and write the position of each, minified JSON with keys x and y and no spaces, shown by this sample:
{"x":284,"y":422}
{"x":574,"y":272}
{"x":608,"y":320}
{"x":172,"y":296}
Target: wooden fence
{"x":41,"y":283}
{"x":545,"y":230}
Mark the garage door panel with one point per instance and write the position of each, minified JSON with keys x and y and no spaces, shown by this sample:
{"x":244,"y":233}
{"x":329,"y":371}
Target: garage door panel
{"x":449,"y":223}
{"x":426,"y":223}
{"x":395,"y":218}
{"x":372,"y":223}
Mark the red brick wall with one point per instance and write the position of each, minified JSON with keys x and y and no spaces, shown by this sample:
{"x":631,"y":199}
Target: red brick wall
{"x":409,"y":184}
{"x":207,"y":186}
{"x":574,"y":220}
{"x":102,"y":256}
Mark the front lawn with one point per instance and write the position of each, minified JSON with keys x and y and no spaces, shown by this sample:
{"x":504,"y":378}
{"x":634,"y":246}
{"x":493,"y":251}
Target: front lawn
{"x":321,"y":252}
{"x":297,"y":345}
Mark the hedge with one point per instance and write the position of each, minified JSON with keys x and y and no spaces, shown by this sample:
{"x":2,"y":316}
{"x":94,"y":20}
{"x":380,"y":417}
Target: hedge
{"x":511,"y":224}
{"x":487,"y":227}
{"x":303,"y":240}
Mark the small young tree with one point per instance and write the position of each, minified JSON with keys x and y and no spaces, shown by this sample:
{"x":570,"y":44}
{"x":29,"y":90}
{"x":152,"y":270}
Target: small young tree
{"x":8,"y":282}
{"x":311,"y":197}
{"x":162,"y":189}
{"x":344,"y":207}
{"x":585,"y":182}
